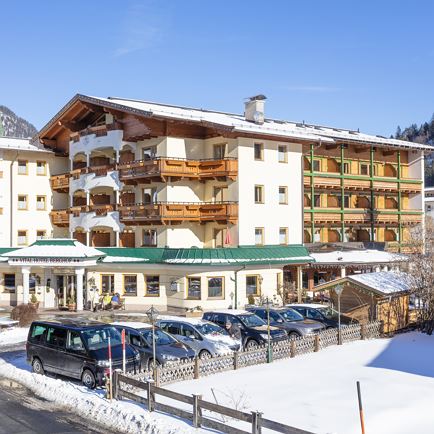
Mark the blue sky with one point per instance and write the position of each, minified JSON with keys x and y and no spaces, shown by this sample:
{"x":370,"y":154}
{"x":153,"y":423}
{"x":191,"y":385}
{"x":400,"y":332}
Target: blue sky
{"x":351,"y":64}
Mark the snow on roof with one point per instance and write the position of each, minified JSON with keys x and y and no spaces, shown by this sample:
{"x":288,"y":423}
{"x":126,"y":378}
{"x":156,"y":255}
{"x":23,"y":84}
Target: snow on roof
{"x":273,"y":127}
{"x":312,"y":305}
{"x":18,"y":144}
{"x":386,"y":282}
{"x":223,"y":261}
{"x":357,"y":256}
{"x":123,"y":259}
{"x":55,"y":248}
{"x":133,"y":324}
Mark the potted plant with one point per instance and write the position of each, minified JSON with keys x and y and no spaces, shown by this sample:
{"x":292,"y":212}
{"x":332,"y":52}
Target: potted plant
{"x":34,"y":301}
{"x":71,"y":304}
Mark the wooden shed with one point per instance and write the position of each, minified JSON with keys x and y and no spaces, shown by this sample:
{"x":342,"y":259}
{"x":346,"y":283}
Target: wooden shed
{"x":367,"y":297}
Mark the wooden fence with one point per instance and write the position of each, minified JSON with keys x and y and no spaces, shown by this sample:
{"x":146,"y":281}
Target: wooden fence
{"x":130,"y":388}
{"x":173,"y":372}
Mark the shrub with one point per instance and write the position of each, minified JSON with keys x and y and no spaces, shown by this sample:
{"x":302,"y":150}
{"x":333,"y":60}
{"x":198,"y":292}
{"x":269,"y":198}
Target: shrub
{"x":33,"y":299}
{"x":251,"y":299}
{"x":25,"y":314}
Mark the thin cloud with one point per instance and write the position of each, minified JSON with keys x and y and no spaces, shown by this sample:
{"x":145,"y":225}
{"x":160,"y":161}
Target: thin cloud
{"x":318,"y":89}
{"x":142,"y":27}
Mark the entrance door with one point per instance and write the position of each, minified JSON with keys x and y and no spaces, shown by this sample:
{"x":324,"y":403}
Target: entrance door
{"x":66,"y":285}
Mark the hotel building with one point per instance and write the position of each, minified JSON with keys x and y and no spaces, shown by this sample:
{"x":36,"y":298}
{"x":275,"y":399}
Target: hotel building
{"x":181,"y":207}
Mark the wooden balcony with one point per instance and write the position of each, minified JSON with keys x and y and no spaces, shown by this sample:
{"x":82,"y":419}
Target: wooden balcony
{"x":100,"y":130}
{"x":60,"y":218}
{"x":100,"y":209}
{"x":161,"y":169}
{"x":411,"y":187}
{"x":60,"y":183}
{"x":176,"y":213}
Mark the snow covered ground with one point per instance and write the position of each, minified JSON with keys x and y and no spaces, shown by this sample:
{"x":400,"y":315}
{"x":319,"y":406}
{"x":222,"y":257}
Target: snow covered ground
{"x":13,"y":335}
{"x":317,"y":392}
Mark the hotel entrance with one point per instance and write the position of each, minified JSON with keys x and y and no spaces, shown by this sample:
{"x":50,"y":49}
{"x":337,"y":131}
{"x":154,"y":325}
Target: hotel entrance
{"x":66,"y":286}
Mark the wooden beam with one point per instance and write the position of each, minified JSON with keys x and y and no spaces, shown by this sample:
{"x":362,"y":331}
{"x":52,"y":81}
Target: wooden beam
{"x":332,"y":146}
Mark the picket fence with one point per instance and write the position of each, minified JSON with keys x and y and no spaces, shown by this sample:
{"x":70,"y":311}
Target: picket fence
{"x":196,"y":368}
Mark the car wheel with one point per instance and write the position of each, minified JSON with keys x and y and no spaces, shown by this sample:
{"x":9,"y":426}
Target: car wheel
{"x":252,"y":345}
{"x":204,"y":355}
{"x":293,"y":335}
{"x":88,"y":379}
{"x":151,"y":364}
{"x":37,"y":366}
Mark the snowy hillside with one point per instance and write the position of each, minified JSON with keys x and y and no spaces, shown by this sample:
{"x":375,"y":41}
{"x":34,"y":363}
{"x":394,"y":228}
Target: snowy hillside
{"x":13,"y":126}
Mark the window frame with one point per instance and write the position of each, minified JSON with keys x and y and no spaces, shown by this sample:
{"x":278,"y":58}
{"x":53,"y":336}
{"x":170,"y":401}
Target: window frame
{"x":219,"y":146}
{"x":285,"y":188}
{"x":27,"y":167}
{"x":45,"y":202}
{"x":6,"y":288}
{"x":261,"y":149}
{"x":43,"y":237}
{"x":124,"y":292}
{"x":262,"y":230}
{"x":112,"y":288}
{"x":257,"y":285}
{"x":219,"y":297}
{"x":367,"y":169}
{"x":188,"y":297}
{"x":284,"y":153}
{"x":260,"y":188}
{"x":26,"y":237}
{"x":147,"y":294}
{"x":286,"y":235}
{"x":143,"y":238}
{"x":27,"y":202}
{"x":44,"y":166}
{"x":316,"y":160}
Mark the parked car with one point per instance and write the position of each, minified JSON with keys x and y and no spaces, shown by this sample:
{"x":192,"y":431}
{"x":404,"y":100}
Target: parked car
{"x":322,"y":313}
{"x":167,"y":348}
{"x":289,"y":320}
{"x":251,"y":329}
{"x":77,"y":349}
{"x":206,"y":338}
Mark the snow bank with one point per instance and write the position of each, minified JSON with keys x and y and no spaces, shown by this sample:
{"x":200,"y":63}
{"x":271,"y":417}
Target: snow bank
{"x":317,"y":392}
{"x":13,"y":335}
{"x":125,"y":417}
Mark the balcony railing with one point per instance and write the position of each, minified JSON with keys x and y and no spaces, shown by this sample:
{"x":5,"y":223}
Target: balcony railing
{"x":60,"y":217}
{"x":177,"y":212}
{"x":60,"y":183}
{"x":159,"y":169}
{"x":100,"y":130}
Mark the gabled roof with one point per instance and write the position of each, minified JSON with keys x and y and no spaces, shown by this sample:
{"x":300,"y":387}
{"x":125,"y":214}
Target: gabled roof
{"x":381,"y":283}
{"x":18,"y":144}
{"x":234,"y":123}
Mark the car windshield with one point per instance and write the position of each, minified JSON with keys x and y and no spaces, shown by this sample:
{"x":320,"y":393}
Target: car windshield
{"x":97,"y":338}
{"x":251,"y":320}
{"x":161,"y":338}
{"x":209,"y":329}
{"x":291,"y":315}
{"x":329,"y":313}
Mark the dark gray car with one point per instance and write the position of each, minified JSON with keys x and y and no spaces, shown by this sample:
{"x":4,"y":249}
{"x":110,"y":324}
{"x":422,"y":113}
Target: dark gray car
{"x":168,"y":349}
{"x":289,"y":320}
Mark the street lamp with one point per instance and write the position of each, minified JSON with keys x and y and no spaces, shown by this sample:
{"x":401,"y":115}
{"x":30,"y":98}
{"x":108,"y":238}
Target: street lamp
{"x":338,"y":290}
{"x":268,"y":303}
{"x":152,"y":314}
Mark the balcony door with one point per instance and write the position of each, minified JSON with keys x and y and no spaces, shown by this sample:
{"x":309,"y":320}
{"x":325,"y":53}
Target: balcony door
{"x":149,"y":195}
{"x":220,"y":194}
{"x":219,"y":237}
{"x":219,"y":151}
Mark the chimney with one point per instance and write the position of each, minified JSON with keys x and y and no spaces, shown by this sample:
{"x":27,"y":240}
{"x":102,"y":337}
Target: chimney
{"x":254,"y":109}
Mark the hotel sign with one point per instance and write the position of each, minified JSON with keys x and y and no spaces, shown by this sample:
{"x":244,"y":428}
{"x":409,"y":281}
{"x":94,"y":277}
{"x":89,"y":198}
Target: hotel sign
{"x":45,"y":261}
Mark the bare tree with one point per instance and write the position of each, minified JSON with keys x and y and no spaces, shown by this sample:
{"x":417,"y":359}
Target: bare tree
{"x":287,"y":292}
{"x":421,"y":273}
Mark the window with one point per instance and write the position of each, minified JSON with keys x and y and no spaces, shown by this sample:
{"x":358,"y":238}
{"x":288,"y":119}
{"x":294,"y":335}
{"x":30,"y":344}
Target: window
{"x":130,"y":284}
{"x":150,"y":238}
{"x":259,"y":151}
{"x":152,"y":288}
{"x":252,"y":285}
{"x":317,"y":201}
{"x":193,"y":288}
{"x":22,"y":238}
{"x":22,"y":167}
{"x":149,"y":153}
{"x":38,"y":332}
{"x":74,"y":342}
{"x":364,"y":169}
{"x":316,"y":165}
{"x":346,"y":167}
{"x":149,"y":195}
{"x":346,"y":201}
{"x":219,"y":151}
{"x":259,"y":236}
{"x":374,"y":170}
{"x":283,"y":235}
{"x":41,"y":203}
{"x":41,"y":168}
{"x":33,"y":280}
{"x":107,"y":283}
{"x":259,"y":194}
{"x":282,"y":154}
{"x":22,"y":202}
{"x":41,"y":234}
{"x":283,"y":195}
{"x":9,"y":282}
{"x":56,"y":337}
{"x":215,"y":287}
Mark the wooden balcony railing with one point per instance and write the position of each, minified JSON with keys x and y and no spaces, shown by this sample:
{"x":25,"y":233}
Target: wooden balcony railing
{"x":100,"y":130}
{"x":60,"y":217}
{"x":60,"y":183}
{"x":174,"y":212}
{"x":160,"y":169}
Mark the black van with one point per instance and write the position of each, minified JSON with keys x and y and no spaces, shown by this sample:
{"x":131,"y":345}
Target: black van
{"x":253,"y":330}
{"x":77,"y":349}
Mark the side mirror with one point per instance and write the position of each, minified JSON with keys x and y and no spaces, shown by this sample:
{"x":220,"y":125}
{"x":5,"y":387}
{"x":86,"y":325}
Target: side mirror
{"x":280,"y":320}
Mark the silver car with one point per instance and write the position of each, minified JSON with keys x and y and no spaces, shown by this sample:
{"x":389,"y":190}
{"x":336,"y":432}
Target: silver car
{"x":206,"y":338}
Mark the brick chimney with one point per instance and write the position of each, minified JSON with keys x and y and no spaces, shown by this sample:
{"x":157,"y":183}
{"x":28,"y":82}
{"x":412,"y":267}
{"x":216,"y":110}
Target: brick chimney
{"x":254,"y":109}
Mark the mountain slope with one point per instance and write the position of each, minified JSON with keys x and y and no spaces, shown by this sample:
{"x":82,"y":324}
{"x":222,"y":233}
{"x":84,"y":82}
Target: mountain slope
{"x":12,"y":125}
